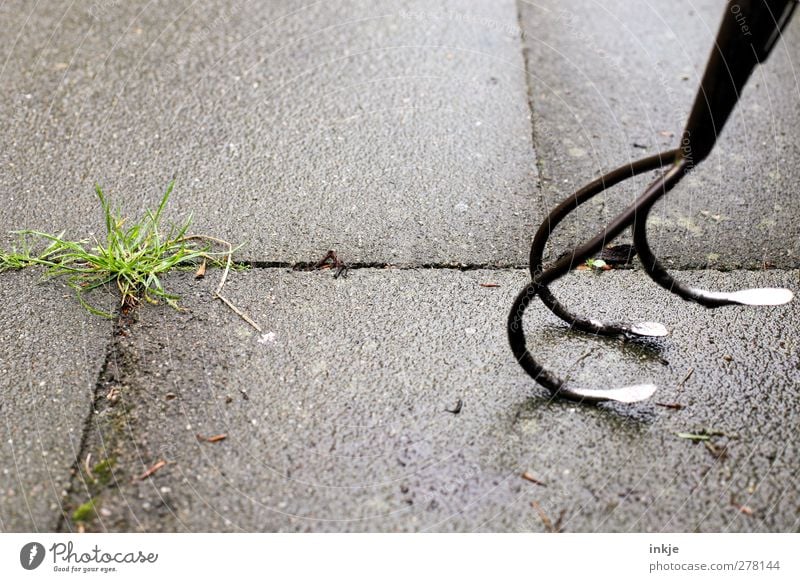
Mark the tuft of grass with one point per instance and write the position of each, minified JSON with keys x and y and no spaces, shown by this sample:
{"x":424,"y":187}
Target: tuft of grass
{"x":103,"y":472}
{"x":84,"y":512}
{"x":133,"y":257}
{"x":16,"y":258}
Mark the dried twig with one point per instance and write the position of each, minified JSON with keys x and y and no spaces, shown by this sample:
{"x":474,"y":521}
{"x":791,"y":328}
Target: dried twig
{"x":685,"y":378}
{"x":746,"y":510}
{"x":152,"y":470}
{"x":548,"y":525}
{"x":528,"y":476}
{"x":228,"y":263}
{"x":212,"y":439}
{"x":672,"y":405}
{"x":560,"y":521}
{"x":238,"y":312}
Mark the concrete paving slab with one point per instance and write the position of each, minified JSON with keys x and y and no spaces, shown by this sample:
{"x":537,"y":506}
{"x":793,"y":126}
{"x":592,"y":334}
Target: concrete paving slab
{"x":393,"y":132}
{"x":613,"y":81}
{"x":51,"y":354}
{"x":335,"y":415}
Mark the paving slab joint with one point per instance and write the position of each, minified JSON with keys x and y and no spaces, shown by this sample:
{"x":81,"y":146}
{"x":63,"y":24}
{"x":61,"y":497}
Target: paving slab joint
{"x":312,"y":266}
{"x":538,"y":162}
{"x":95,"y":469}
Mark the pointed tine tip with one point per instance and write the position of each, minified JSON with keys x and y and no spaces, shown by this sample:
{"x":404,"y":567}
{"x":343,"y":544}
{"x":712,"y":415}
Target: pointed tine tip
{"x":762,"y":296}
{"x":635,"y":393}
{"x":649,"y":329}
{"x":627,"y":394}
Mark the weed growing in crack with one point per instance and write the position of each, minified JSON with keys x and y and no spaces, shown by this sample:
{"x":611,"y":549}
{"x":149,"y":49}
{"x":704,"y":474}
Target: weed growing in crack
{"x":133,"y":257}
{"x":84,"y":512}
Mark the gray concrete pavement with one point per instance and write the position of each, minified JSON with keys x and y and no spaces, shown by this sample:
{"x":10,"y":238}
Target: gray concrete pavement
{"x":51,"y":352}
{"x":609,"y":78}
{"x":336,"y":417}
{"x":393,"y":132}
{"x":398,"y":134}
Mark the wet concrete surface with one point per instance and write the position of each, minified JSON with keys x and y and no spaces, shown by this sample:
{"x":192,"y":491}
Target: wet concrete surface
{"x":51,"y":352}
{"x":395,"y":133}
{"x":335,"y":415}
{"x":392,"y":132}
{"x":613,"y":81}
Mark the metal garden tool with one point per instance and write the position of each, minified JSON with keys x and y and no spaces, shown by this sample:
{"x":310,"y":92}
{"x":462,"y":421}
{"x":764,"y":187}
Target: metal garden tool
{"x":749,"y":31}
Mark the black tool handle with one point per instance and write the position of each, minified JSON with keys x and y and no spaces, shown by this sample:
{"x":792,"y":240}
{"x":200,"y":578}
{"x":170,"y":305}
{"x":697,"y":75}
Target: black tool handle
{"x":749,"y":30}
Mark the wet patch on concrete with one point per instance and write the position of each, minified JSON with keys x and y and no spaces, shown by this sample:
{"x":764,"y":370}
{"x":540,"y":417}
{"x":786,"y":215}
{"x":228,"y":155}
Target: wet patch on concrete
{"x":339,"y":420}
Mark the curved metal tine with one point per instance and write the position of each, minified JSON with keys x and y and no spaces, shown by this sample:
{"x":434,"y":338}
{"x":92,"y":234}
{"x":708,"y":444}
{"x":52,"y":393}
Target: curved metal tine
{"x":657,"y":272}
{"x":557,"y":386}
{"x":516,"y":334}
{"x":643,"y":329}
{"x":733,"y":58}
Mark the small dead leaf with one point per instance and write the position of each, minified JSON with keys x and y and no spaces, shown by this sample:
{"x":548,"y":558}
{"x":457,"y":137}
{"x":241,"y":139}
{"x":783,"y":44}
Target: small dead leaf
{"x":201,"y":270}
{"x":489,"y":285}
{"x":622,"y":254}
